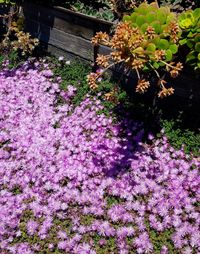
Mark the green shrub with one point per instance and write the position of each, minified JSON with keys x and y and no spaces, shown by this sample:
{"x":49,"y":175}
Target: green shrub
{"x":189,"y":22}
{"x":181,"y":5}
{"x":179,"y":138}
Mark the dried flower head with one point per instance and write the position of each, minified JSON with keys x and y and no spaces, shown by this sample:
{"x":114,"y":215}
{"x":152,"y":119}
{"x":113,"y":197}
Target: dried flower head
{"x":160,"y":54}
{"x":174,"y":31}
{"x":137,"y":64}
{"x":122,"y":35}
{"x":101,"y":37}
{"x":142,"y":86}
{"x":166,"y":92}
{"x":102,"y":60}
{"x":174,"y":70}
{"x":91,"y":79}
{"x":150,"y":32}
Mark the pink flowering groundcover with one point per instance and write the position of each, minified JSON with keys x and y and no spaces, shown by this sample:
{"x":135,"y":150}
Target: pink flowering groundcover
{"x":74,"y":181}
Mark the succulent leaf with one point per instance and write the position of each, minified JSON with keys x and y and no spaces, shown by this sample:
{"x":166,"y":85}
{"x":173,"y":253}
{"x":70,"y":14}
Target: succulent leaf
{"x":144,"y":27}
{"x":140,"y":20}
{"x":163,"y":44}
{"x":169,"y":55}
{"x":173,"y":48}
{"x":190,"y":43}
{"x":150,"y":17}
{"x":197,"y":47}
{"x":151,"y":47}
{"x":156,"y":25}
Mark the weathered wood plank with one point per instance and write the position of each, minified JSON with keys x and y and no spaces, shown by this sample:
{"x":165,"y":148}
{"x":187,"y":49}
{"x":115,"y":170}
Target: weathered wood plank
{"x":75,"y":29}
{"x":55,"y":51}
{"x":103,"y":50}
{"x":69,"y":42}
{"x":63,"y":25}
{"x":48,"y":14}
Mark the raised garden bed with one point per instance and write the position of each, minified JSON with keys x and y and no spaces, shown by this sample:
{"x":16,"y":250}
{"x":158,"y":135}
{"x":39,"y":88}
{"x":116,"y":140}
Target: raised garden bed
{"x":63,"y":29}
{"x":67,"y":32}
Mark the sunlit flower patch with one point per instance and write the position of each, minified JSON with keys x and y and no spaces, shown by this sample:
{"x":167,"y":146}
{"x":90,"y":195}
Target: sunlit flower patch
{"x":72,"y":181}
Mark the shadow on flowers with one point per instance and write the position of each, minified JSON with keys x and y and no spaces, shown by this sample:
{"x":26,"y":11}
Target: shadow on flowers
{"x":125,"y":145}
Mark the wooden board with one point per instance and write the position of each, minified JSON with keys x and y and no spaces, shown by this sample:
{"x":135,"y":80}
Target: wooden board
{"x":64,"y":29}
{"x":65,"y":41}
{"x":59,"y":23}
{"x":49,"y":15}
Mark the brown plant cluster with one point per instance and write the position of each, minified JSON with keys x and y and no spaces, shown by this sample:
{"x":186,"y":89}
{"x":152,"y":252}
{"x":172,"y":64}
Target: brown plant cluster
{"x":101,"y":38}
{"x":102,"y":60}
{"x":174,"y":30}
{"x":165,"y":92}
{"x":15,"y":38}
{"x":130,"y":45}
{"x":112,"y":96}
{"x":160,"y":55}
{"x":150,"y":32}
{"x":142,"y":86}
{"x":174,"y":69}
{"x":92,"y":80}
{"x":23,"y":41}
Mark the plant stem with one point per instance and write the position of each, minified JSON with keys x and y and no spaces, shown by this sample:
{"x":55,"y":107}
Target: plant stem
{"x":138,"y":74}
{"x":173,"y":67}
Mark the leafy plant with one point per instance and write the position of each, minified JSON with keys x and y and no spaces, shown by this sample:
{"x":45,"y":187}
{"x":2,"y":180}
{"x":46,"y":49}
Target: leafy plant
{"x":180,"y":5}
{"x":75,"y":74}
{"x":109,"y":10}
{"x":146,"y":41}
{"x":15,"y":38}
{"x":179,"y":138}
{"x":189,"y":22}
{"x":7,"y":2}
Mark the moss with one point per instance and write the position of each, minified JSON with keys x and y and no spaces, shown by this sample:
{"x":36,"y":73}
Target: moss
{"x":159,"y":239}
{"x":28,"y":200}
{"x":16,"y":190}
{"x":109,"y":247}
{"x":65,"y":224}
{"x":112,"y":200}
{"x":87,"y":219}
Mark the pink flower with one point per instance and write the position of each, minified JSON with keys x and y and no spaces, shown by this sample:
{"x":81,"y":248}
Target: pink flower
{"x":32,"y":227}
{"x":62,"y":245}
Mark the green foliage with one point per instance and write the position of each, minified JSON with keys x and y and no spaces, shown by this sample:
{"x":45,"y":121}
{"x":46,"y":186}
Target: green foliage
{"x":87,"y":219}
{"x":180,"y":5}
{"x":179,"y":137}
{"x":13,"y":58}
{"x":7,"y":2}
{"x":189,"y":22}
{"x":112,"y":200}
{"x":97,"y":8}
{"x":160,"y":21}
{"x":73,"y":74}
{"x":162,"y":239}
{"x":76,"y":74}
{"x":103,"y":9}
{"x":12,"y":37}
